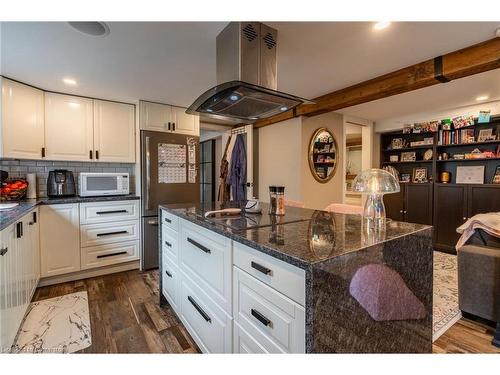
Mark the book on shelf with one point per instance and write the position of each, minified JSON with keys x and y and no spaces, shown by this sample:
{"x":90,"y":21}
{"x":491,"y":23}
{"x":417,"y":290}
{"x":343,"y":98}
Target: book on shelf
{"x":457,"y":136}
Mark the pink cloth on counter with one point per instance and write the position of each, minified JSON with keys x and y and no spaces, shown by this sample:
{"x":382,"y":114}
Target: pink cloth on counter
{"x":294,"y":203}
{"x":344,"y":209}
{"x":489,"y":222}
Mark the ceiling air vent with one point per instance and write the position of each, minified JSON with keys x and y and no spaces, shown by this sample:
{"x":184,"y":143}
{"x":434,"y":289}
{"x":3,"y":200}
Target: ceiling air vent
{"x":249,"y":32}
{"x":269,"y":40}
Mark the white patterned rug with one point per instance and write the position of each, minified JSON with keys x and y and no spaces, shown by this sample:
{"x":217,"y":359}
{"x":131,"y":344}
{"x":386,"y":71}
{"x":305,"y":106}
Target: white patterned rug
{"x":55,"y":325}
{"x":445,"y":304}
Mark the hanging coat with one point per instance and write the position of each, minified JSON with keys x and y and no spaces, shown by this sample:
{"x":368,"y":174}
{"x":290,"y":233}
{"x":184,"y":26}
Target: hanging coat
{"x":238,"y":170}
{"x":224,"y":194}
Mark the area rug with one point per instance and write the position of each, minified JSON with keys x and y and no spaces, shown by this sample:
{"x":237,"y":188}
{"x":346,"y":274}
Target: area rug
{"x":445,"y":304}
{"x":55,"y":325}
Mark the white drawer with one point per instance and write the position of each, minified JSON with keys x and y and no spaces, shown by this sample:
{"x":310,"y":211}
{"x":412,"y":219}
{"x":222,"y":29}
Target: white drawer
{"x":105,"y":212}
{"x":244,"y":343}
{"x":104,"y":255}
{"x":171,"y":283}
{"x":169,"y":244}
{"x":272,"y":316}
{"x":206,"y":258}
{"x":207,"y":323}
{"x":283,"y":277}
{"x":169,"y":221}
{"x":105,"y":233}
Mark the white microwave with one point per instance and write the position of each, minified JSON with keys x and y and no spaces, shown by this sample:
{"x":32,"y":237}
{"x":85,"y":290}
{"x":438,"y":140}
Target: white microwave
{"x":98,"y":184}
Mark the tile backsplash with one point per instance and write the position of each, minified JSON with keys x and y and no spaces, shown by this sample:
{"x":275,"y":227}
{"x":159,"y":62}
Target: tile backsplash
{"x":19,"y":168}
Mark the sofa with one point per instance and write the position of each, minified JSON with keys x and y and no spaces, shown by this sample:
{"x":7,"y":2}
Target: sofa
{"x":479,"y":278}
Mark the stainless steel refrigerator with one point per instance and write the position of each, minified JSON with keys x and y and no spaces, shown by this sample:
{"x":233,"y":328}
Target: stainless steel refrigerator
{"x":157,"y":185}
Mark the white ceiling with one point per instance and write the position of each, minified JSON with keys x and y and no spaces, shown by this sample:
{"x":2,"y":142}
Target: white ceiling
{"x":175,"y":62}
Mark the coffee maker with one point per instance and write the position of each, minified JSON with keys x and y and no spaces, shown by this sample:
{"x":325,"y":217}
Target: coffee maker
{"x":61,"y":183}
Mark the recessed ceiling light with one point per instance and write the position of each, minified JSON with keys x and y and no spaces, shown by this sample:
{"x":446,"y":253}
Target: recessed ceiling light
{"x":234,"y":97}
{"x":91,"y":28}
{"x":381,"y":25}
{"x":69,"y":81}
{"x":482,"y":97}
{"x":283,"y":108}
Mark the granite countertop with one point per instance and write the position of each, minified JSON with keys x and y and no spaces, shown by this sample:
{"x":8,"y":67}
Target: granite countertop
{"x":11,"y":216}
{"x":302,"y":237}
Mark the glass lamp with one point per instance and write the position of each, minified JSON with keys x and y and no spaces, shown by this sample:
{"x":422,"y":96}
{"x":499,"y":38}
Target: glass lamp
{"x":375,"y":183}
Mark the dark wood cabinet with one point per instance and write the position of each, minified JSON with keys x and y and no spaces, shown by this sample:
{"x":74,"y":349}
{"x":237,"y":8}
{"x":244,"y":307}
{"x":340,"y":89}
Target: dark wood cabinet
{"x":483,"y":198}
{"x":412,"y":204}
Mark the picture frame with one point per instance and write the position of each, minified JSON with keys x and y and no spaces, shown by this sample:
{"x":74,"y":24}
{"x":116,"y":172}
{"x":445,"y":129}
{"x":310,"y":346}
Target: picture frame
{"x":485,"y":135}
{"x":408,"y":156}
{"x":396,"y":143}
{"x":407,"y":128}
{"x":470,"y":175}
{"x":405,"y":177}
{"x":393,"y":158}
{"x":419,"y":175}
{"x":496,"y":177}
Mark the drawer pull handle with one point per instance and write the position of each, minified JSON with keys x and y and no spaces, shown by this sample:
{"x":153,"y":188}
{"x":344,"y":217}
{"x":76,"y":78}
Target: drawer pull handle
{"x":111,"y":255}
{"x":258,"y":267}
{"x":4,"y":251}
{"x":261,"y":318}
{"x":199,"y":309}
{"x":199,"y":246}
{"x":111,"y":233}
{"x":168,"y":220}
{"x":168,"y":244}
{"x":111,"y":212}
{"x":168,"y":273}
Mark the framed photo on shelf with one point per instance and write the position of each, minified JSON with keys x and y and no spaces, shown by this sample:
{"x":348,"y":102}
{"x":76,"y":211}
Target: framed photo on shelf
{"x":419,"y":175}
{"x":408,"y":156}
{"x":496,"y":176}
{"x":485,"y":135}
{"x":405,"y":177}
{"x":393,"y":158}
{"x":396,"y":143}
{"x":470,"y":175}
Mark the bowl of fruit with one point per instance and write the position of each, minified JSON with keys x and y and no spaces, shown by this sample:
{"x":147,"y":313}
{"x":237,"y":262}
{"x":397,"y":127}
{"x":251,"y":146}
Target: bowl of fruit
{"x":13,"y":189}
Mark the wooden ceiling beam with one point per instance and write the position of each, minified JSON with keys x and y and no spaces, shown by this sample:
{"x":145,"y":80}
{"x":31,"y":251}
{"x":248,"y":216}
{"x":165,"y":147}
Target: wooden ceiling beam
{"x":468,"y":61}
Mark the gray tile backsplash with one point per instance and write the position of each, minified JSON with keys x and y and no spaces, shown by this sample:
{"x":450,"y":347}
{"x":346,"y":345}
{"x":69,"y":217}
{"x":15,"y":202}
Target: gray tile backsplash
{"x":19,"y":168}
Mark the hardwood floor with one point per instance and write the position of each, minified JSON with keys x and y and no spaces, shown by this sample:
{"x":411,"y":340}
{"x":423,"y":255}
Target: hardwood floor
{"x":125,"y":318}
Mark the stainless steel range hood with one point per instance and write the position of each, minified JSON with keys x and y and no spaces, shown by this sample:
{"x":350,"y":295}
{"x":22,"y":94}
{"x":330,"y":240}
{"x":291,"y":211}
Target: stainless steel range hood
{"x":246,"y":76}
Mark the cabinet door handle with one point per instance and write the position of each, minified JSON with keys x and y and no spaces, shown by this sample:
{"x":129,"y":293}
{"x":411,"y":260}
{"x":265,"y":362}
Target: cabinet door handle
{"x":168,"y":274}
{"x":19,"y":229}
{"x":111,"y":212}
{"x":400,"y":211}
{"x":97,"y":154}
{"x":168,"y":220}
{"x":169,"y":126}
{"x":199,"y":309}
{"x":43,"y":152}
{"x":111,"y":233}
{"x":4,"y":251}
{"x":261,"y":318}
{"x":111,"y":255}
{"x":168,"y":244}
{"x":34,"y":217}
{"x":90,"y":154}
{"x":465,"y":218}
{"x":260,"y":268}
{"x":199,"y":246}
{"x":173,"y":126}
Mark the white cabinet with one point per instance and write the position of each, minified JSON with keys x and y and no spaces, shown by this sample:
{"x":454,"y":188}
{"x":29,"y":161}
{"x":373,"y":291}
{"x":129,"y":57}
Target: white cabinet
{"x":19,"y":274}
{"x":68,"y":127}
{"x":166,"y":118}
{"x":59,"y":239}
{"x":114,"y":132}
{"x":22,"y":130}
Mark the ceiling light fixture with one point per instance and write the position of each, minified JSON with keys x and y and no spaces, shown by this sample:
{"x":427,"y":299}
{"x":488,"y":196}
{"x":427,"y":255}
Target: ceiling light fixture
{"x":69,"y":81}
{"x":91,"y":28}
{"x":381,"y":25}
{"x":482,"y":97}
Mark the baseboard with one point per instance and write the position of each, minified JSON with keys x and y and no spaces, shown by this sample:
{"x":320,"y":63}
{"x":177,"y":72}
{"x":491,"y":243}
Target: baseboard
{"x":446,"y":327}
{"x":89,"y":273}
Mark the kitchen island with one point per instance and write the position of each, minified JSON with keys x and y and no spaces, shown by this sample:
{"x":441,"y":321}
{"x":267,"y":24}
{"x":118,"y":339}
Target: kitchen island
{"x":309,"y":281}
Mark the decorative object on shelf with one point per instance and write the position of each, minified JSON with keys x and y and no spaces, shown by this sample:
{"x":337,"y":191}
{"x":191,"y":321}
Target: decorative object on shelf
{"x":444,"y":156}
{"x":392,"y":170}
{"x":407,"y":128}
{"x":485,"y":135}
{"x":461,"y":121}
{"x":496,"y":176}
{"x":375,"y":183}
{"x":458,"y":156}
{"x":393,"y":158}
{"x":444,"y":177}
{"x":323,"y":155}
{"x":408,"y":156}
{"x":405,"y":177}
{"x":419,"y":175}
{"x":428,"y":154}
{"x":446,"y":124}
{"x":397,"y":143}
{"x":484,"y":116}
{"x":470,"y":175}
{"x":417,"y":128}
{"x":474,"y":154}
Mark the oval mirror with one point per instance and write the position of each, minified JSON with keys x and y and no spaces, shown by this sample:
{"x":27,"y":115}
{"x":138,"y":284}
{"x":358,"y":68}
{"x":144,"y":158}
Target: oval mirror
{"x":323,"y":155}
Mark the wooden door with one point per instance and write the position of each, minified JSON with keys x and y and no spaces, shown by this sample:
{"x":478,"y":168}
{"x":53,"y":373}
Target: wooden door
{"x":22,"y":121}
{"x":155,"y":116}
{"x":68,"y":127}
{"x":482,"y":199}
{"x":418,"y":203}
{"x":450,"y":211}
{"x":394,"y":204}
{"x":184,"y":123}
{"x":114,"y":132}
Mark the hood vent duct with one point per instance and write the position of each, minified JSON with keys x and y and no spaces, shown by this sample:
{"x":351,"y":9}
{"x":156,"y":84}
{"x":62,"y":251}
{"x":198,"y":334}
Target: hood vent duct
{"x":246,"y":76}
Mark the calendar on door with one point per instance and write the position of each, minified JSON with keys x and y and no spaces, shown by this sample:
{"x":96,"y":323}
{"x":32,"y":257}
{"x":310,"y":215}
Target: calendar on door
{"x":172,"y":161}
